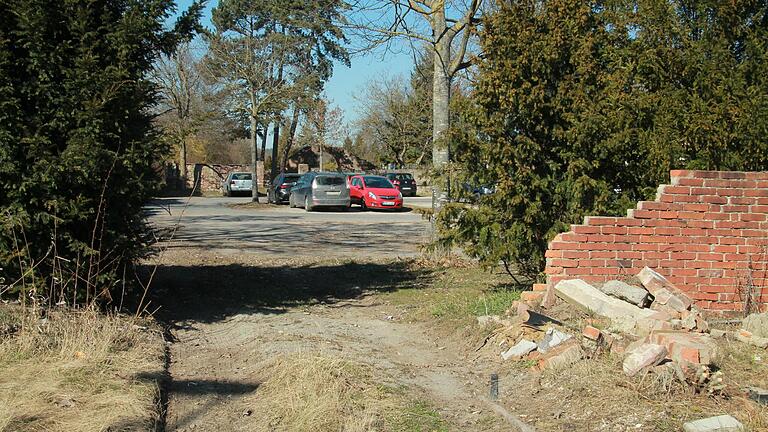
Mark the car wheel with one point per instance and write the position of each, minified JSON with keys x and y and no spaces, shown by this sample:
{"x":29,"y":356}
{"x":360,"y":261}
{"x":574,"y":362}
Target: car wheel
{"x":307,"y":205}
{"x":362,"y":204}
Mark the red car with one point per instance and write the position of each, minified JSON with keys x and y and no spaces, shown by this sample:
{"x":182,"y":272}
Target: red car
{"x":374,"y":192}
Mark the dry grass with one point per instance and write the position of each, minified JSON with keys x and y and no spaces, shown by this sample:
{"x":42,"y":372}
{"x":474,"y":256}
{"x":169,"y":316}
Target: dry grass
{"x":79,"y":371}
{"x":306,"y":392}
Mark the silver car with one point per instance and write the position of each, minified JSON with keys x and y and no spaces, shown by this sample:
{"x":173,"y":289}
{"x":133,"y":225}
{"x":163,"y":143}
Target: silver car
{"x":237,"y":183}
{"x":324,"y":189}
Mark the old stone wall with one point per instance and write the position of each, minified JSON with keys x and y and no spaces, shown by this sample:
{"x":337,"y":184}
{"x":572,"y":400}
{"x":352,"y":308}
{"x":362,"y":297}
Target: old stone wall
{"x":707,"y":232}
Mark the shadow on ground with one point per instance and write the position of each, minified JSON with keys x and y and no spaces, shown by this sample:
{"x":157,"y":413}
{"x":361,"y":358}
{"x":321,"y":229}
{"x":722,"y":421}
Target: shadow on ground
{"x":209,"y":293}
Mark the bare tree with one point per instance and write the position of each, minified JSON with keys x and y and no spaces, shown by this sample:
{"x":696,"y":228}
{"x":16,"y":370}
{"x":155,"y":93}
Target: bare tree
{"x":325,"y":124}
{"x":446,"y":26}
{"x":180,"y":84}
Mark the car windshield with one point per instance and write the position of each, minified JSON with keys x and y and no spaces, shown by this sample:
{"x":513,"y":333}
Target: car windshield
{"x":330,"y":180}
{"x":377,"y":182}
{"x":241,"y":176}
{"x":401,"y":177}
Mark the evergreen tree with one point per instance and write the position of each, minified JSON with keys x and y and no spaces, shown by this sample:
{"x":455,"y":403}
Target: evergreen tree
{"x":77,"y":146}
{"x":584,"y":107}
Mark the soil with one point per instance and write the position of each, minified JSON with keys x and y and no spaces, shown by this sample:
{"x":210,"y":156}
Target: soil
{"x":228,"y":318}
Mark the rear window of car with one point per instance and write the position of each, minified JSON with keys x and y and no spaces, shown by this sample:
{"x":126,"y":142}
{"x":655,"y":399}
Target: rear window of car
{"x":404,"y":177}
{"x":241,"y":176}
{"x":291,"y":179}
{"x":330,"y":180}
{"x":377,"y":182}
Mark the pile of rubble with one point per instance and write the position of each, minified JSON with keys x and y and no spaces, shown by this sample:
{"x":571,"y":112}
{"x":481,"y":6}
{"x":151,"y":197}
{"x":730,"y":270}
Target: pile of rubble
{"x":651,"y":324}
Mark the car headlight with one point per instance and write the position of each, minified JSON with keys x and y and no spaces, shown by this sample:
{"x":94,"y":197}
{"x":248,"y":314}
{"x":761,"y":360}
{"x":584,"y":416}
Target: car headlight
{"x":371,"y":195}
{"x":399,"y":195}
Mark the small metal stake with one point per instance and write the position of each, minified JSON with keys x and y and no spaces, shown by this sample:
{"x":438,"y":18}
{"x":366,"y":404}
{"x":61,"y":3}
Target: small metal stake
{"x":494,"y":386}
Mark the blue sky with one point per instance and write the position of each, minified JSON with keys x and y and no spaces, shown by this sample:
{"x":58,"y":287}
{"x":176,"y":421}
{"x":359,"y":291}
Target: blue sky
{"x":345,"y":82}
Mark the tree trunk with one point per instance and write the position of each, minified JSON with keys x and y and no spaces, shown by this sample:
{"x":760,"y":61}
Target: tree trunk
{"x":183,"y":162}
{"x":275,"y":142}
{"x":291,"y":135}
{"x":441,"y":95}
{"x":254,"y":160}
{"x":263,"y":156}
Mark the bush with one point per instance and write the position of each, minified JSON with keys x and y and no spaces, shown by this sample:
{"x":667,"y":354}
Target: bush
{"x":77,"y":147}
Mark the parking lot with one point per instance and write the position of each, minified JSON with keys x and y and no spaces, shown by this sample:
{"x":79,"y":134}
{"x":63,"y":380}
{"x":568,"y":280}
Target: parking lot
{"x":219,"y":225}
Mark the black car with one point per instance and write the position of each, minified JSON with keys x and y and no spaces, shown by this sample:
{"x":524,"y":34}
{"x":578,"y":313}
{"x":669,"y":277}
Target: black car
{"x":280,"y":189}
{"x":404,"y":182}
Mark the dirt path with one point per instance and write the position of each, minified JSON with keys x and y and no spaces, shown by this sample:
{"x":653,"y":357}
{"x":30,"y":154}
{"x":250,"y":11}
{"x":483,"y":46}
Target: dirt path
{"x":240,"y":316}
{"x":214,"y":361}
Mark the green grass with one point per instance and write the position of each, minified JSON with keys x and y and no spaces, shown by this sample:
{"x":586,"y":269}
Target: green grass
{"x":458,"y":294}
{"x":418,"y":416}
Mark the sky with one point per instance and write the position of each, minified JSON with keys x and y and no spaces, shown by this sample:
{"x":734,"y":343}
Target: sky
{"x":346,"y":81}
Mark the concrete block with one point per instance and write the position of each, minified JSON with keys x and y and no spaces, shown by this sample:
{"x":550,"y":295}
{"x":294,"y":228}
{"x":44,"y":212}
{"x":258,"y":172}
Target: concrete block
{"x":747,"y":337}
{"x":586,"y":297}
{"x":646,"y":355}
{"x":759,"y":395}
{"x":520,"y":350}
{"x":629,"y":293}
{"x":561,"y":357}
{"x":757,"y":324}
{"x":551,"y":339}
{"x":723,"y":423}
{"x":663,"y":291}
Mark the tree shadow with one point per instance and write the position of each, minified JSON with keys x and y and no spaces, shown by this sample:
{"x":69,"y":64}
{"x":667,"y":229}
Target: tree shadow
{"x":211,"y":293}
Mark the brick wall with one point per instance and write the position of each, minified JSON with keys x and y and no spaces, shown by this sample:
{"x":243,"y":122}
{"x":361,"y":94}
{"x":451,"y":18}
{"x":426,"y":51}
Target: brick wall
{"x":707,"y":232}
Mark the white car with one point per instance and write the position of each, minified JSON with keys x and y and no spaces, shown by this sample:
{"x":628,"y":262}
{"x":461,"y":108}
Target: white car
{"x":237,"y":183}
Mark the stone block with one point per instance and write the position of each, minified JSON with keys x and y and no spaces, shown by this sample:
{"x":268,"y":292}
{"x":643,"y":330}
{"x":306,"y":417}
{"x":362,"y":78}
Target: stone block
{"x":561,"y":356}
{"x":747,"y":337}
{"x":551,"y":339}
{"x":520,"y":350}
{"x":757,"y":324}
{"x":629,"y":293}
{"x":759,"y":395}
{"x":646,"y":355}
{"x":586,"y":297}
{"x":723,"y":423}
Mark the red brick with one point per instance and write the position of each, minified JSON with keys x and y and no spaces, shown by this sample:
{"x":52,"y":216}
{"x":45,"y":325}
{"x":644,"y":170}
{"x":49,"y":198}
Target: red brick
{"x":583,"y":229}
{"x":646,"y":214}
{"x":614,"y":230}
{"x":743,"y":200}
{"x":571,"y":237}
{"x":595,"y":221}
{"x":563,"y":245}
{"x":575,"y":254}
{"x":559,"y":262}
{"x":751,"y":217}
{"x":690,"y":182}
{"x":592,"y":333}
{"x":715,"y":199}
{"x":676,"y":190}
{"x":602,"y":254}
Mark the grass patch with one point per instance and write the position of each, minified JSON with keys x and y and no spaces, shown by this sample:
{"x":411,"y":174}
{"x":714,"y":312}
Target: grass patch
{"x":79,"y":371}
{"x":458,"y":294}
{"x":418,"y":416}
{"x":303,"y":392}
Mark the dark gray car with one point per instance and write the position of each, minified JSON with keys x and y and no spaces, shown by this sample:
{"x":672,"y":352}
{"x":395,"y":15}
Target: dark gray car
{"x":324,"y":189}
